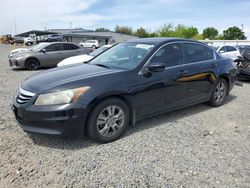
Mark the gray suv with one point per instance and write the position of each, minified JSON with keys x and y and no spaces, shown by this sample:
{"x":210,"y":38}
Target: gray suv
{"x":46,"y":55}
{"x":54,"y":38}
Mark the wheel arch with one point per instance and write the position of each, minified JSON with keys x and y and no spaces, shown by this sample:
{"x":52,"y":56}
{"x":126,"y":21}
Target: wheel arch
{"x":28,"y":58}
{"x":226,"y":77}
{"x":125,"y":98}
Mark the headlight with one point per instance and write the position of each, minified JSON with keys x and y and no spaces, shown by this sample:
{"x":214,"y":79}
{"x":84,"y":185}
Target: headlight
{"x":61,"y":97}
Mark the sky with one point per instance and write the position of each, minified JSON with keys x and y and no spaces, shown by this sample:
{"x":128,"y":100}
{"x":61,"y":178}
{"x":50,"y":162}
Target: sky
{"x":150,"y":14}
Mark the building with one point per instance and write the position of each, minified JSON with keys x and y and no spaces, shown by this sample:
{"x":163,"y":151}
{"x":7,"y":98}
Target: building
{"x":104,"y":37}
{"x":79,"y":35}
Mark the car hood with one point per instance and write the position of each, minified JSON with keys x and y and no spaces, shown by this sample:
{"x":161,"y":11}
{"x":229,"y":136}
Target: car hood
{"x":23,"y":53}
{"x":67,"y":77}
{"x":19,"y":50}
{"x":75,"y":60}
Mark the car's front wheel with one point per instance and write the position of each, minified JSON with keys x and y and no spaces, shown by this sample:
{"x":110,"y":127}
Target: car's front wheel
{"x":219,"y":93}
{"x":32,"y":64}
{"x":108,"y":120}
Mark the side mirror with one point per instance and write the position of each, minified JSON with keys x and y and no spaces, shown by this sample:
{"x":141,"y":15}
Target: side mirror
{"x":43,"y":50}
{"x":156,"y":67}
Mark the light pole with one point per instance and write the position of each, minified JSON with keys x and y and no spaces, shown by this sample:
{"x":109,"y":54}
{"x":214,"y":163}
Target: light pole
{"x":242,"y":26}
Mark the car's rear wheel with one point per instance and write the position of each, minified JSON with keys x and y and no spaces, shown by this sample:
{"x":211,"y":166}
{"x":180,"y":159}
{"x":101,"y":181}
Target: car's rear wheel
{"x":219,"y":93}
{"x":32,"y":64}
{"x":108,"y":120}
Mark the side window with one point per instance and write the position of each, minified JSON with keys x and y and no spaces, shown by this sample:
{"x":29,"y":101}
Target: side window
{"x":196,"y":52}
{"x":170,"y":55}
{"x":53,"y":47}
{"x":223,"y":49}
{"x":69,"y":46}
{"x":231,"y":49}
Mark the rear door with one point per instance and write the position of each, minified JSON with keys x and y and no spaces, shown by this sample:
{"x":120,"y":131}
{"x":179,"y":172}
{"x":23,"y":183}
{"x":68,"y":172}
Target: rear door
{"x":200,"y":71}
{"x":70,"y":50}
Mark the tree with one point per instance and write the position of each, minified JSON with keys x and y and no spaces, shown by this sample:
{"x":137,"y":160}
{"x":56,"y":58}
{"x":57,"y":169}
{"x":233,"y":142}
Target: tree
{"x":141,"y":32}
{"x":210,"y":33}
{"x":185,"y":32}
{"x":179,"y":31}
{"x":234,"y":33}
{"x":102,"y":29}
{"x":154,"y":34}
{"x":198,"y":37}
{"x":124,"y":30}
{"x":166,"y":30}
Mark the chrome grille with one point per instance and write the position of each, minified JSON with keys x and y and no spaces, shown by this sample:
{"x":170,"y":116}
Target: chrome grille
{"x":23,"y":96}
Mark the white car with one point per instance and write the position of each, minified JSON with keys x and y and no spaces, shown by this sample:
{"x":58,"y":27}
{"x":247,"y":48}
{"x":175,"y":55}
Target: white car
{"x":228,"y":51}
{"x":83,"y":58}
{"x":90,"y":44}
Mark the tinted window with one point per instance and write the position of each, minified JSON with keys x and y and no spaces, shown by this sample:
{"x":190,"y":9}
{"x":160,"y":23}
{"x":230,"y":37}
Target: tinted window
{"x":170,"y":55}
{"x":231,"y":49}
{"x":69,"y":47}
{"x":53,"y":47}
{"x":197,"y":52}
{"x":224,"y":49}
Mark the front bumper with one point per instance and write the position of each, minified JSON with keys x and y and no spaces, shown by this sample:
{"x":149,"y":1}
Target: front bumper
{"x":244,"y":74}
{"x":16,"y":63}
{"x":53,"y":120}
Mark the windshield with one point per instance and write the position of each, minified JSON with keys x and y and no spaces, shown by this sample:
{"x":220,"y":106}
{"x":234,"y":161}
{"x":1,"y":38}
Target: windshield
{"x":38,"y":47}
{"x":123,"y":56}
{"x":98,"y":51}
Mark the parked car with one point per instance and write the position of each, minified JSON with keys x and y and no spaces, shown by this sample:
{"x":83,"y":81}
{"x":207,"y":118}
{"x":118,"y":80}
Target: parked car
{"x":90,"y":44}
{"x":83,"y":58}
{"x":228,"y":51}
{"x":244,"y":50}
{"x":54,"y":38}
{"x":45,"y":55}
{"x":129,"y":82}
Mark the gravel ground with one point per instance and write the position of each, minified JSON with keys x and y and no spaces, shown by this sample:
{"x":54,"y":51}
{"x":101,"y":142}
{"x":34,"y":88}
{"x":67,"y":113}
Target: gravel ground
{"x":198,"y":146}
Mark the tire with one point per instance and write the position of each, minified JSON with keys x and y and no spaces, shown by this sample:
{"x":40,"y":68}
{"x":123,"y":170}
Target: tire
{"x":32,"y":64}
{"x":93,"y":47}
{"x":29,"y":43}
{"x":108,"y":120}
{"x":219,"y":93}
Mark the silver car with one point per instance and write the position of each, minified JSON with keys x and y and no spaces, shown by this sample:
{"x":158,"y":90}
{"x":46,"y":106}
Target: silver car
{"x":45,"y":55}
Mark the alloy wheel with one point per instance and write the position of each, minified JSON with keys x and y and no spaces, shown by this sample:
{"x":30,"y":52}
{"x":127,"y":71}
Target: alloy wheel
{"x":110,"y":121}
{"x":220,"y":92}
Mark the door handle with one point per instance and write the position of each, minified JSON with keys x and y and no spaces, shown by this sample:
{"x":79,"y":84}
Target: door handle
{"x":182,"y":72}
{"x":214,"y":64}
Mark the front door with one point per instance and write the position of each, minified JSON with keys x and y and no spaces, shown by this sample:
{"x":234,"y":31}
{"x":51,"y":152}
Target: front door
{"x":52,"y":55}
{"x":163,"y":90}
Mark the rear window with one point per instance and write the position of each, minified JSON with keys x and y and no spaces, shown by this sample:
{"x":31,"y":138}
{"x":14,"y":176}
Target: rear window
{"x":197,"y":52}
{"x":69,"y":46}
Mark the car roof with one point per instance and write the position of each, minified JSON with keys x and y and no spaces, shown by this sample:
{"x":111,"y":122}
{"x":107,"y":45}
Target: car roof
{"x":60,"y":43}
{"x":159,"y":40}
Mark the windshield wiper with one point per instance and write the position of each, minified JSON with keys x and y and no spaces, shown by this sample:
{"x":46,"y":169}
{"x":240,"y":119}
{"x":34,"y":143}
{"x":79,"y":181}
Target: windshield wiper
{"x":101,"y":65}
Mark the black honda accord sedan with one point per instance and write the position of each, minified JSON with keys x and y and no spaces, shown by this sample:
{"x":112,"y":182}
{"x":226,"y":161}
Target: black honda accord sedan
{"x":130,"y":81}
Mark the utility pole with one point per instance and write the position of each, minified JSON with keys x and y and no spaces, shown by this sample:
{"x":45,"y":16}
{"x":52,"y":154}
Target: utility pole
{"x":15,"y":26}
